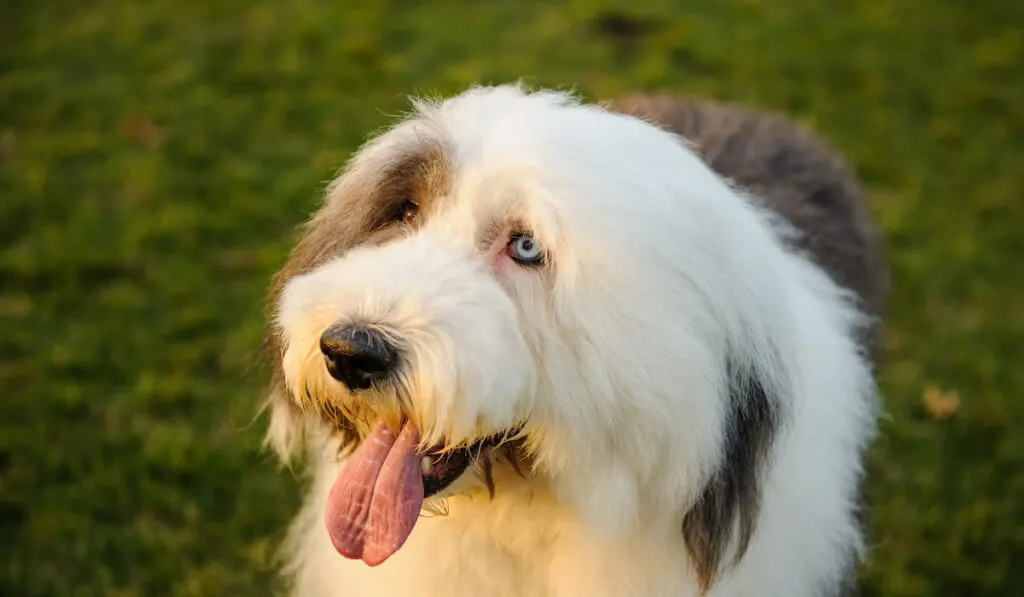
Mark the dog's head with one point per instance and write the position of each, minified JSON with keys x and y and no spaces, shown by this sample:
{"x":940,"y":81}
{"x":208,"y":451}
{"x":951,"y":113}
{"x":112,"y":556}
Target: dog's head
{"x":514,"y":273}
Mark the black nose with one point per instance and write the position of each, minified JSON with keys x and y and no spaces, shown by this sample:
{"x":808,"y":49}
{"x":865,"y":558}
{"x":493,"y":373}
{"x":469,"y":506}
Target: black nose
{"x":357,"y":356}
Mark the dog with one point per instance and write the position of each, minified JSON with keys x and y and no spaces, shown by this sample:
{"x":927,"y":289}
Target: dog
{"x":534,"y":346}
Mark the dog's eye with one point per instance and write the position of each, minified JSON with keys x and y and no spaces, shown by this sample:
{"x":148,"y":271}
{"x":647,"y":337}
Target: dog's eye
{"x":525,"y":250}
{"x":409,"y":211}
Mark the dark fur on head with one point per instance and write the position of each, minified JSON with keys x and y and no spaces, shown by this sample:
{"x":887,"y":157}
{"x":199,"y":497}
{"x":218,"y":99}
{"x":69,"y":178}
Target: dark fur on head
{"x":797,"y":176}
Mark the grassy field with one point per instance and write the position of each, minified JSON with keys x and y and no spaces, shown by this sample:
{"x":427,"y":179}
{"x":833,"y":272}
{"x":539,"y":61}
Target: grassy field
{"x":155,"y":157}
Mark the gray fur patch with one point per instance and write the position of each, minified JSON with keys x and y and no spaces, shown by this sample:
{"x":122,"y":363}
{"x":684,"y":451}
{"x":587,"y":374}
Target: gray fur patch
{"x":724,"y":518}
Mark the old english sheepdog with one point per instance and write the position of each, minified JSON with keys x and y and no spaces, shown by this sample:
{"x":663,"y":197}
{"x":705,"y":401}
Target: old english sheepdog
{"x":530,"y":346}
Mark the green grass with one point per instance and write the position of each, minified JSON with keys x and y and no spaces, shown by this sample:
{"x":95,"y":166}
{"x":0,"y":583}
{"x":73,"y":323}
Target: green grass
{"x":155,"y":157}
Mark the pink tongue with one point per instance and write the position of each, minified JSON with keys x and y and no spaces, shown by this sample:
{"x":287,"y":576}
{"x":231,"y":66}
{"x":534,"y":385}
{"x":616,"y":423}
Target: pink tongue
{"x":376,"y":499}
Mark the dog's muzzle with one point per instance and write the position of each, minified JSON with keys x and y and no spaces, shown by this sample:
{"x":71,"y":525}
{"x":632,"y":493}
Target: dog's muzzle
{"x":357,"y":356}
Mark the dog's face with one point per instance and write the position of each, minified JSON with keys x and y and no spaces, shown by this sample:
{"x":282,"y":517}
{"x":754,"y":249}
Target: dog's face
{"x":521,"y":275}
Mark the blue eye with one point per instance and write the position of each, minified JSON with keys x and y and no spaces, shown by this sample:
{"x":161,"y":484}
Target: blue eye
{"x":525,"y":250}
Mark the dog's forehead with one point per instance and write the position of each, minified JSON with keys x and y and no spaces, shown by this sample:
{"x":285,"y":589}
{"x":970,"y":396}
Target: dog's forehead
{"x":498,"y":128}
{"x":542,"y":139}
{"x":504,"y":146}
{"x":470,"y":152}
{"x":509,"y":155}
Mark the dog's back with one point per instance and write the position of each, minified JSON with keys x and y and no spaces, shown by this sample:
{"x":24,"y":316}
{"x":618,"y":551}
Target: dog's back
{"x":794,"y":173}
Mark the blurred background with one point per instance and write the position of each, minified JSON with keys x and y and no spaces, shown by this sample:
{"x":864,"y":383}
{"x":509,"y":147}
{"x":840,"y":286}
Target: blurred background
{"x":156,"y":156}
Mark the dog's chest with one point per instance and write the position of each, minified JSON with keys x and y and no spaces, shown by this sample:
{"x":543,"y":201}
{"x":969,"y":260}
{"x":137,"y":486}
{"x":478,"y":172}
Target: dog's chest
{"x":508,"y":553}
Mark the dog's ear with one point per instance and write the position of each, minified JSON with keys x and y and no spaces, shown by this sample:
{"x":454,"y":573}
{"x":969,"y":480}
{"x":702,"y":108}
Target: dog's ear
{"x":724,"y":517}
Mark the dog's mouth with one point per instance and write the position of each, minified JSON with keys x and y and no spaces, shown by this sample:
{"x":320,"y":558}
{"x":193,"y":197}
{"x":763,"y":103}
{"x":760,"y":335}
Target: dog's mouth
{"x":440,"y":469}
{"x":377,"y":497}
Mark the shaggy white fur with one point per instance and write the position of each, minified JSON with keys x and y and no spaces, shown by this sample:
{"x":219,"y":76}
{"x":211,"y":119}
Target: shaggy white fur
{"x":670,"y":351}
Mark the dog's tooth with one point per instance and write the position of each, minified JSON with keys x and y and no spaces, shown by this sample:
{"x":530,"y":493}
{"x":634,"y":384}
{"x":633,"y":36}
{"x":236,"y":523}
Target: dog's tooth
{"x":425,"y":465}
